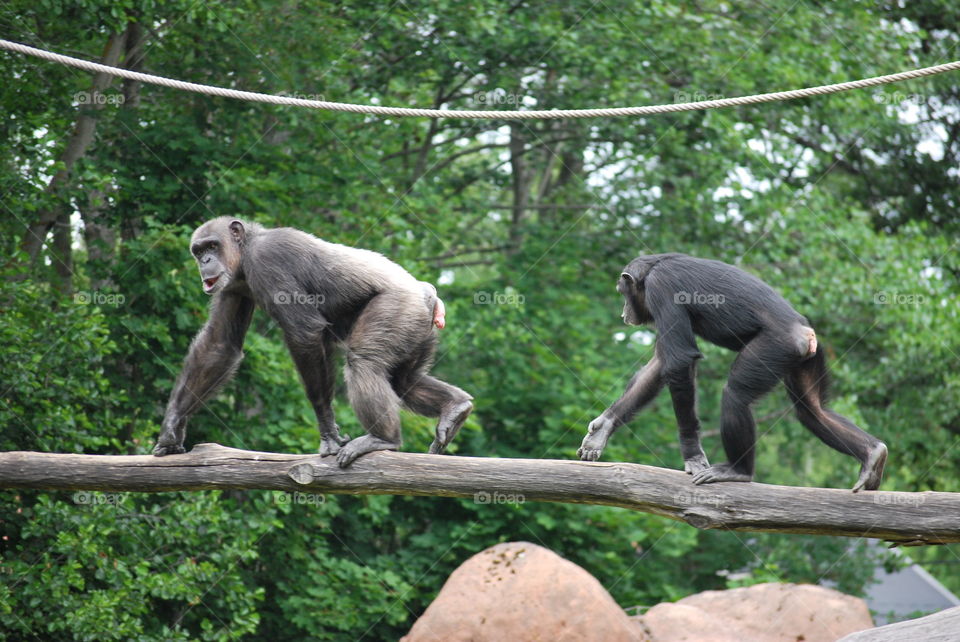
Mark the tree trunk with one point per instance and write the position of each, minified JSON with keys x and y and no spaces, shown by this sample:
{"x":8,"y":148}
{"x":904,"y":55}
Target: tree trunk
{"x":99,"y":236}
{"x":62,"y":254}
{"x":520,"y":179}
{"x":77,"y":146}
{"x":904,"y":518}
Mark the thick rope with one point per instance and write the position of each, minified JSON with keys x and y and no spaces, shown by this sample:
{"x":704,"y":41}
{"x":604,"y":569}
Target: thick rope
{"x":456,"y":113}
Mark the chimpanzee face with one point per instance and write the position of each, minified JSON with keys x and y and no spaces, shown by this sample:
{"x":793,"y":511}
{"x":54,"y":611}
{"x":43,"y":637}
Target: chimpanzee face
{"x":634,"y":306}
{"x":216,"y":247}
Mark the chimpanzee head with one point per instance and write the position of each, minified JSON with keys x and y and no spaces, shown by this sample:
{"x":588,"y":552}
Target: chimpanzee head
{"x":218,"y":247}
{"x":631,"y":286}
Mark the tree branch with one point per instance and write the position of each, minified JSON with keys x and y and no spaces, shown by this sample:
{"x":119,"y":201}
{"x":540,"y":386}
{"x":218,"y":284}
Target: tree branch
{"x":903,"y":518}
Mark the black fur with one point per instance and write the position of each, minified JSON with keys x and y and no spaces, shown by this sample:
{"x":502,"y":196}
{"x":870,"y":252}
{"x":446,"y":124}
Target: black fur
{"x":322,"y":295}
{"x":686,"y":297}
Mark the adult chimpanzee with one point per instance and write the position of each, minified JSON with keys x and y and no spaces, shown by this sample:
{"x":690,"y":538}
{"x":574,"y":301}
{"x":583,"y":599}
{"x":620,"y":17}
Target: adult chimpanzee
{"x":685,"y":296}
{"x":321,"y":294}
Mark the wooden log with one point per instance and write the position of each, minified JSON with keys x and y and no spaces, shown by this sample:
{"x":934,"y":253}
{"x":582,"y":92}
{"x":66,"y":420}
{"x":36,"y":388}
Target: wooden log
{"x":902,"y":518}
{"x":939,"y":627}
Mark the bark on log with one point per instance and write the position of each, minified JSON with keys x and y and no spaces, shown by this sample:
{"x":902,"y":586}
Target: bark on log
{"x":939,"y":627}
{"x":903,"y":518}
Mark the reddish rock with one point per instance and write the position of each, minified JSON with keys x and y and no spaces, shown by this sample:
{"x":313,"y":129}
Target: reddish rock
{"x":669,"y":622}
{"x":761,"y":613}
{"x":524,"y":592}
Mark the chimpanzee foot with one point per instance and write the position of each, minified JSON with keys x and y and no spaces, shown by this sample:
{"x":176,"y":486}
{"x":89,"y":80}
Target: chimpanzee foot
{"x":720,"y":473}
{"x":161,"y":450}
{"x":449,"y":425}
{"x":696,"y":465}
{"x":361,"y":446}
{"x":330,"y":444}
{"x":871,"y":472}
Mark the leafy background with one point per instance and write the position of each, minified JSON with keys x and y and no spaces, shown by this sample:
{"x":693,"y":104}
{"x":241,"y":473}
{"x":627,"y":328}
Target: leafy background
{"x":847,"y":204}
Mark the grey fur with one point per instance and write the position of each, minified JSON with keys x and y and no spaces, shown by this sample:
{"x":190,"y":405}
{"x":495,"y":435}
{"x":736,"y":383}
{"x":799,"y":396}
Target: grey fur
{"x":322,"y":295}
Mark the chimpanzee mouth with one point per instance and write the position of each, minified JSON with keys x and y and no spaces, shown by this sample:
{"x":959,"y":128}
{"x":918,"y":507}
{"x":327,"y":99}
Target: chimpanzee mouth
{"x":209,"y":283}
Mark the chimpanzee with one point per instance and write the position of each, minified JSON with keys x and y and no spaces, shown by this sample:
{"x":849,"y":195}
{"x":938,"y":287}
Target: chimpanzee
{"x":684,"y":296}
{"x":321,"y":295}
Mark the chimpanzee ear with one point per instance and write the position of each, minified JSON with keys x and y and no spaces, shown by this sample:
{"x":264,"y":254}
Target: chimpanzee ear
{"x":631,"y":280}
{"x":236,"y":230}
{"x":634,"y":273}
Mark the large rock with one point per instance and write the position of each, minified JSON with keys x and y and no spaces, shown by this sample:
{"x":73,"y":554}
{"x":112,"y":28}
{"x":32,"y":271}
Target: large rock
{"x":672,"y":622}
{"x":761,"y":613}
{"x":524,"y":592}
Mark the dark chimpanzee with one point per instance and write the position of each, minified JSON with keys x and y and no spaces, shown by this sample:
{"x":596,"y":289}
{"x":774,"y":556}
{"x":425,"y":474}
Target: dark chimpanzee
{"x":685,"y":296}
{"x":321,"y":295}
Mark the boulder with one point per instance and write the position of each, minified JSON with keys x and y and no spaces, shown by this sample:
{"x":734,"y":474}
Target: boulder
{"x":521,"y":591}
{"x":761,"y":613}
{"x":670,"y":622}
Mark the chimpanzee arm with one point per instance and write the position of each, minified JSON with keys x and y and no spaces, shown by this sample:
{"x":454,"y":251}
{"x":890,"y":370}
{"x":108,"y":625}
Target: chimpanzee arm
{"x":678,"y":351}
{"x":214,"y":356}
{"x":642,"y":389}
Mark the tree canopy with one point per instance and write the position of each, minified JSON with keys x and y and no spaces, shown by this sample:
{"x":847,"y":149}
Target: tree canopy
{"x":847,"y":204}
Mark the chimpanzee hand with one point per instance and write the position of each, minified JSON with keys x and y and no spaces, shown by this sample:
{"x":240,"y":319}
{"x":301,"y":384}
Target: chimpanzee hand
{"x":598,"y":433}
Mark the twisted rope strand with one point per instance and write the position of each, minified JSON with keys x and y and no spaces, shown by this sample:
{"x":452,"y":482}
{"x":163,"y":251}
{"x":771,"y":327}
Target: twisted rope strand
{"x":492,"y":114}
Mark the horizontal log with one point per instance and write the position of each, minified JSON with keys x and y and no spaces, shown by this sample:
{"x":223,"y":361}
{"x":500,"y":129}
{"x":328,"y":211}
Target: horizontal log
{"x":902,"y":518}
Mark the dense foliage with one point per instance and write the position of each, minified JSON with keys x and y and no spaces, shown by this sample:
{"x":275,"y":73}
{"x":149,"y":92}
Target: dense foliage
{"x":847,"y":204}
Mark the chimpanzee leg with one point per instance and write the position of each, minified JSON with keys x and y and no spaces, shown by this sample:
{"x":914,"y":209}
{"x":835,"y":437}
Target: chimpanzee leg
{"x":683,"y":393}
{"x":377,"y":407}
{"x":757,"y":369}
{"x":373,"y":353}
{"x":430,"y":397}
{"x":807,"y":385}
